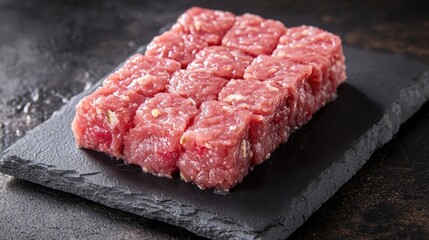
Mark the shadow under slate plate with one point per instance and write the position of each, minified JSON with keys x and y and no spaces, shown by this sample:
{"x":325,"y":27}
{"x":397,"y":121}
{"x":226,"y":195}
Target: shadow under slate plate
{"x":381,"y":92}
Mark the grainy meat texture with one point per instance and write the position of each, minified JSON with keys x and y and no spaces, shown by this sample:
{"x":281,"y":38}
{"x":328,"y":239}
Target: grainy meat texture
{"x":269,"y":124}
{"x":211,"y":24}
{"x":318,"y":41}
{"x":221,"y":61}
{"x":154,"y":142}
{"x":147,"y":75}
{"x":199,"y":85}
{"x":176,"y":46}
{"x":103,"y":118}
{"x":292,"y":76}
{"x":320,"y":80}
{"x":212,"y":97}
{"x":217,"y":147}
{"x":254,"y":35}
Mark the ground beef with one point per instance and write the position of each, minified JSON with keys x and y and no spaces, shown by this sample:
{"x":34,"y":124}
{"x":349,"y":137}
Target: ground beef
{"x":269,"y":124}
{"x":227,"y":111}
{"x":217,"y":147}
{"x":254,"y":35}
{"x":176,"y":46}
{"x":211,"y":24}
{"x":292,"y":76}
{"x":147,"y":75}
{"x":221,"y":62}
{"x":154,"y":142}
{"x":199,"y":85}
{"x":319,"y":41}
{"x":103,"y":118}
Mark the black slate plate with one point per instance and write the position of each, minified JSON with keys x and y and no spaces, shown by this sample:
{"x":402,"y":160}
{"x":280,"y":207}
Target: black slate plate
{"x":381,"y":92}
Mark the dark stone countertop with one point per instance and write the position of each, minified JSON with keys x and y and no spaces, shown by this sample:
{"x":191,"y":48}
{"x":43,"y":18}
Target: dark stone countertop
{"x":52,"y":50}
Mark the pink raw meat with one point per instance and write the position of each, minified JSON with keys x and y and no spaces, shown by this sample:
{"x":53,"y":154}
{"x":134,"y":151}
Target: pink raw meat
{"x":103,"y":118}
{"x":176,"y":46}
{"x":269,"y":124}
{"x":254,"y":35}
{"x":221,"y":61}
{"x":321,"y":41}
{"x":211,"y":24}
{"x":292,"y":76}
{"x":323,"y":80}
{"x":199,"y":85}
{"x":159,"y":124}
{"x":253,"y":81}
{"x":146,"y":75}
{"x":217,"y":148}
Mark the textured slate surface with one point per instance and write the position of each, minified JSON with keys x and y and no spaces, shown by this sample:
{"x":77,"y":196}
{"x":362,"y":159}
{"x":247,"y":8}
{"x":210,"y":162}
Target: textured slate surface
{"x":382,"y":91}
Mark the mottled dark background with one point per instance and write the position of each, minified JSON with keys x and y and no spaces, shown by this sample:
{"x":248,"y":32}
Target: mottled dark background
{"x":52,"y":50}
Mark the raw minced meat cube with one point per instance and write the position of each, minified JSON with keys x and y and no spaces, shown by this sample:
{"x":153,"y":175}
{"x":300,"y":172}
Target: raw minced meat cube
{"x":176,"y":46}
{"x":320,"y":62}
{"x":322,"y":79}
{"x":221,"y":61}
{"x":103,"y":118}
{"x":211,"y":24}
{"x":147,"y":75}
{"x":321,"y":41}
{"x":154,"y":142}
{"x":199,"y":85}
{"x":276,"y":69}
{"x":292,"y":76}
{"x":269,"y":124}
{"x":254,"y":35}
{"x":312,"y":37}
{"x":217,"y":148}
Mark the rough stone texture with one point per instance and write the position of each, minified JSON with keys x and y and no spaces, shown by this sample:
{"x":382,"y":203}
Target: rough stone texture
{"x":381,"y":92}
{"x":55,"y":49}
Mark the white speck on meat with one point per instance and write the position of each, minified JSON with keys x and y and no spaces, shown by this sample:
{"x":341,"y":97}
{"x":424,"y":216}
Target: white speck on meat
{"x":269,"y":86}
{"x":234,"y":97}
{"x":113,"y":119}
{"x":192,"y":101}
{"x":243,"y":148}
{"x":273,"y":70}
{"x":124,"y":98}
{"x":183,"y":140}
{"x":155,"y":113}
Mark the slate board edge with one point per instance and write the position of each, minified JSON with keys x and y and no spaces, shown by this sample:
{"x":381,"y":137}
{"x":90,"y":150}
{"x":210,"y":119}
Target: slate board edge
{"x":410,"y":101}
{"x":210,"y":225}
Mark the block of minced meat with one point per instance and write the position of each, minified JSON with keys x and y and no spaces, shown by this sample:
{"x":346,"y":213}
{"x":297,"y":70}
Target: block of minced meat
{"x":211,"y":24}
{"x":221,"y":61}
{"x":103,"y":118}
{"x":176,"y":46}
{"x":268,"y":103}
{"x":322,"y":79}
{"x":146,"y":75}
{"x":292,"y":76}
{"x":254,"y":35}
{"x":199,"y":85}
{"x":154,"y":142}
{"x":321,"y":41}
{"x":217,"y":150}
